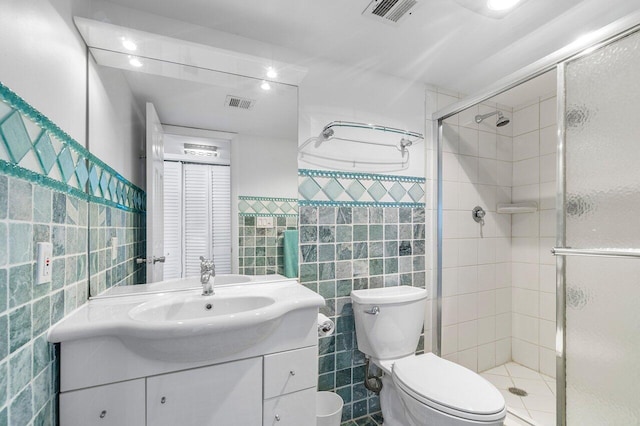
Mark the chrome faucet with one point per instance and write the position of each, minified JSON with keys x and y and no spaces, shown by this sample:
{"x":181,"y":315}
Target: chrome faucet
{"x":207,"y":270}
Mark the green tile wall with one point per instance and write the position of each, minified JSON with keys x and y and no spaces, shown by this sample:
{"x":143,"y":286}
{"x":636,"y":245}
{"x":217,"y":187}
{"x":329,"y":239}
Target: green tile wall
{"x":346,"y":248}
{"x":50,"y":189}
{"x":357,"y":231}
{"x":261,"y":249}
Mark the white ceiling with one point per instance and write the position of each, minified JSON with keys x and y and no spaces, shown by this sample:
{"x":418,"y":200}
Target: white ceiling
{"x":441,"y":43}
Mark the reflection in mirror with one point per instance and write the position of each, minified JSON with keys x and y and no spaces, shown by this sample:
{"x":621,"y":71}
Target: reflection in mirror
{"x":228,"y":186}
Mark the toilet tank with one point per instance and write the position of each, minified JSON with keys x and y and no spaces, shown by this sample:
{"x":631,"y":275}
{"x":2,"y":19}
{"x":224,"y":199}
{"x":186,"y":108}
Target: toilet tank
{"x":395,"y":330}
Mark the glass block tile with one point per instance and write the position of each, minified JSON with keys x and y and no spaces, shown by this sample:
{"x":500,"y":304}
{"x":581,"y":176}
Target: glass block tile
{"x":272,"y":207}
{"x":45,"y":152}
{"x":258,"y":207}
{"x":243,"y":206}
{"x":112,"y":189}
{"x":397,"y":191}
{"x":104,"y":183}
{"x":65,"y":164}
{"x":377,"y":191}
{"x":94,"y":182}
{"x":81,"y":172}
{"x":286,"y":207}
{"x":308,"y":188}
{"x":416,"y":192}
{"x":15,"y":137}
{"x":355,"y":190}
{"x":333,"y":189}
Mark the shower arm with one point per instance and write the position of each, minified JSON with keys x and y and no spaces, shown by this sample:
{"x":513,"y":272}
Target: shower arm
{"x":479,"y":118}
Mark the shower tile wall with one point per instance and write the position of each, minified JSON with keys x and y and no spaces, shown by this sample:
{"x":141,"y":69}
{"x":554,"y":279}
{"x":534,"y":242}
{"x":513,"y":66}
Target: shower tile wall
{"x":353,"y":245}
{"x":533,"y":235}
{"x":476,"y":261}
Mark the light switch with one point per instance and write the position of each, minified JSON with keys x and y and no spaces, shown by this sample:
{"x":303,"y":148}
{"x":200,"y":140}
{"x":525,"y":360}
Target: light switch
{"x":43,"y":263}
{"x":264,"y":222}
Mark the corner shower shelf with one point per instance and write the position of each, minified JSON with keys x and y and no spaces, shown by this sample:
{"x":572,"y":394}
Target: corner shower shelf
{"x":387,"y":148}
{"x":512,"y":208}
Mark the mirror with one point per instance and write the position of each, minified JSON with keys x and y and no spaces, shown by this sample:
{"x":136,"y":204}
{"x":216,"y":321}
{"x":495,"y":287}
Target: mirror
{"x":230,"y":146}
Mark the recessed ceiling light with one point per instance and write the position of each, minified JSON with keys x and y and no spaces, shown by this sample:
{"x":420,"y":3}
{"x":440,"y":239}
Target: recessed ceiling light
{"x":265,"y":85}
{"x":129,"y":45}
{"x":271,"y":72}
{"x":501,"y":4}
{"x":135,"y":62}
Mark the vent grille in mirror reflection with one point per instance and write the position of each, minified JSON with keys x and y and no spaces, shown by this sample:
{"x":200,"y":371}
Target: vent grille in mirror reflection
{"x":238,"y":102}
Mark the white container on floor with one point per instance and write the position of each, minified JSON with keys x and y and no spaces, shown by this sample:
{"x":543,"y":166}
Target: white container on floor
{"x":328,"y":409}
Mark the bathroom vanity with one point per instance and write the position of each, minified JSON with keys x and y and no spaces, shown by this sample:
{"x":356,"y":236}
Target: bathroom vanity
{"x":244,"y":356}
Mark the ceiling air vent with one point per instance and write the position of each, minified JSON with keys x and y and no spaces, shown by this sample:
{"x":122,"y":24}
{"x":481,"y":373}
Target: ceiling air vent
{"x":390,"y":11}
{"x":238,"y":102}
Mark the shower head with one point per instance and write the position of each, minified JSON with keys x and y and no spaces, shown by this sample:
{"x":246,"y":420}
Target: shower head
{"x":501,"y":121}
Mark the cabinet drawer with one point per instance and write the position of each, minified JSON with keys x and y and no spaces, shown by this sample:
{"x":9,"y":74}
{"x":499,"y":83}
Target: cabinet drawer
{"x":219,"y":395}
{"x":109,"y":405}
{"x":294,"y":409}
{"x":290,"y":371}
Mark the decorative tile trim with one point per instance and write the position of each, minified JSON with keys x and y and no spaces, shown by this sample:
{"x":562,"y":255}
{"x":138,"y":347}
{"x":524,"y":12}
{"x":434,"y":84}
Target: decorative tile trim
{"x":304,"y":203}
{"x":347,"y":175}
{"x":267,"y":206}
{"x":328,"y":188}
{"x":34,"y":148}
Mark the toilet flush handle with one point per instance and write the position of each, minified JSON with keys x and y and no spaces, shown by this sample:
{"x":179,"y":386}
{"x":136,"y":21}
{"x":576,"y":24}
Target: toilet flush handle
{"x":375,"y":310}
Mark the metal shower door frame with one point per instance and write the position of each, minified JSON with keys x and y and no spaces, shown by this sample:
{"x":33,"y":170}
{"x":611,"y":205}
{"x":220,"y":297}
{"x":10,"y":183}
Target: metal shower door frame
{"x":557,"y":60}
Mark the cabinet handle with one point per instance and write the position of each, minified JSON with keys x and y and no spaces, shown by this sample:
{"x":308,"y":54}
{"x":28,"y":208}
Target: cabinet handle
{"x":103,"y":414}
{"x":163,"y":400}
{"x":292,"y":372}
{"x":277,"y":417}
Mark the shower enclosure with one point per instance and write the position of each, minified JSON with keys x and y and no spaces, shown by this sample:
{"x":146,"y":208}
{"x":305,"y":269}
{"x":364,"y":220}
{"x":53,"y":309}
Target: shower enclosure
{"x":597,"y":235}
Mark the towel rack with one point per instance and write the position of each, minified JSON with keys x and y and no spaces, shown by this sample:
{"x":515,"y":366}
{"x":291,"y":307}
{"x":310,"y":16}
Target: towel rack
{"x":374,"y":135}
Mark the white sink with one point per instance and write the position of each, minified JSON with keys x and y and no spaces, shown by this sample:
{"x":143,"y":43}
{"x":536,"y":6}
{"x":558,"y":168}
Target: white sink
{"x":185,"y":326}
{"x":196,"y":308}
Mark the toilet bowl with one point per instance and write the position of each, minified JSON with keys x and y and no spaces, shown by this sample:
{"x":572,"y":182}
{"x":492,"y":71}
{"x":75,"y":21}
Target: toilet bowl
{"x":418,"y":390}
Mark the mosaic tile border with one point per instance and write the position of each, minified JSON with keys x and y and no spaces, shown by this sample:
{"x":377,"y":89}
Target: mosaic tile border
{"x":267,"y":206}
{"x":36,"y":149}
{"x":335,"y":189}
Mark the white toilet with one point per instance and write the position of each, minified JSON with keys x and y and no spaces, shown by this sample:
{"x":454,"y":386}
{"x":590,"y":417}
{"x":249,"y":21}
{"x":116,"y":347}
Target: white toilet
{"x":418,"y":390}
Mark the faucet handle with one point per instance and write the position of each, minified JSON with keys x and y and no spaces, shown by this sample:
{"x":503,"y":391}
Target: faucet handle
{"x":206,"y":264}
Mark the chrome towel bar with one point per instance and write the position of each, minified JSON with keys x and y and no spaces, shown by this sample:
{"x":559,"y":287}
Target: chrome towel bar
{"x":568,"y":251}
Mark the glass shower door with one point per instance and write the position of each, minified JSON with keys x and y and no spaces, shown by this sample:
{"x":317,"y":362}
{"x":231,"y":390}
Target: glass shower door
{"x":599,"y":264}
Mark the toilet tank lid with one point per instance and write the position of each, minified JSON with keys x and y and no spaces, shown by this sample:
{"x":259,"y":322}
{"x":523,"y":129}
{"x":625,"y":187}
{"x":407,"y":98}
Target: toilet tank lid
{"x":397,"y":294}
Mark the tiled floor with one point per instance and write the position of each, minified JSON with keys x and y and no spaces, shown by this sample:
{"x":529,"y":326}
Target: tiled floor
{"x":374,"y":420}
{"x":539,"y":404}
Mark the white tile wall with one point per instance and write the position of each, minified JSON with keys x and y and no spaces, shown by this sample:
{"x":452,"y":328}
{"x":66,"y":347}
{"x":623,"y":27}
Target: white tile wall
{"x":499,"y":289}
{"x":476,"y":277}
{"x":533,"y":235}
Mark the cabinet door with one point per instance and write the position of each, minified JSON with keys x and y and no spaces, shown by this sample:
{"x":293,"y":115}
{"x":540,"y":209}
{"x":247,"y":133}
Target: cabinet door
{"x":117,"y":404}
{"x":294,"y":409}
{"x":226,"y":394}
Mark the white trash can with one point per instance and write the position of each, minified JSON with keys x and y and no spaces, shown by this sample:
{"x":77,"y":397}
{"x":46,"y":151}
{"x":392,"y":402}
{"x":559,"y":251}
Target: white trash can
{"x":328,"y":409}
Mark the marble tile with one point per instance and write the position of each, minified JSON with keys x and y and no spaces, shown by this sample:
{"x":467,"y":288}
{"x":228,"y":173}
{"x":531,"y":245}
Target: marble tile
{"x":21,"y":408}
{"x":4,"y":196}
{"x":20,"y":200}
{"x":20,"y":242}
{"x":20,"y":370}
{"x":21,"y":285}
{"x":41,"y":204}
{"x":3,"y":244}
{"x":19,"y":327}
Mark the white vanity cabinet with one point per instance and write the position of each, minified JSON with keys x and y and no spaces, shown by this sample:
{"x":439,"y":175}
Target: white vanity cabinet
{"x":254,"y":364}
{"x":225,"y":394}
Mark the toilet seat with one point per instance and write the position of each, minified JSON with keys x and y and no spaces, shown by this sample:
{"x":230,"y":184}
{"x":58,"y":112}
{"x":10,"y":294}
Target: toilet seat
{"x":448,"y":387}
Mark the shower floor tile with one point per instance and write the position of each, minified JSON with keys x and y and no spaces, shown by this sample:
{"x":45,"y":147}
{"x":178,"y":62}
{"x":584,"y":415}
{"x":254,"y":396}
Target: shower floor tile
{"x":540,"y":403}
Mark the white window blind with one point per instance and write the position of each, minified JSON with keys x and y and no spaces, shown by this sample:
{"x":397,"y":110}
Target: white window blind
{"x":172,"y":219}
{"x":221,"y":212}
{"x":207,"y":217}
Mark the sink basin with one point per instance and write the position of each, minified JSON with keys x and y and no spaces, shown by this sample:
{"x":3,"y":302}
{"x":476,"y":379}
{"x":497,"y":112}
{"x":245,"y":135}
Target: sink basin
{"x":197,"y":307}
{"x":184,"y":326}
